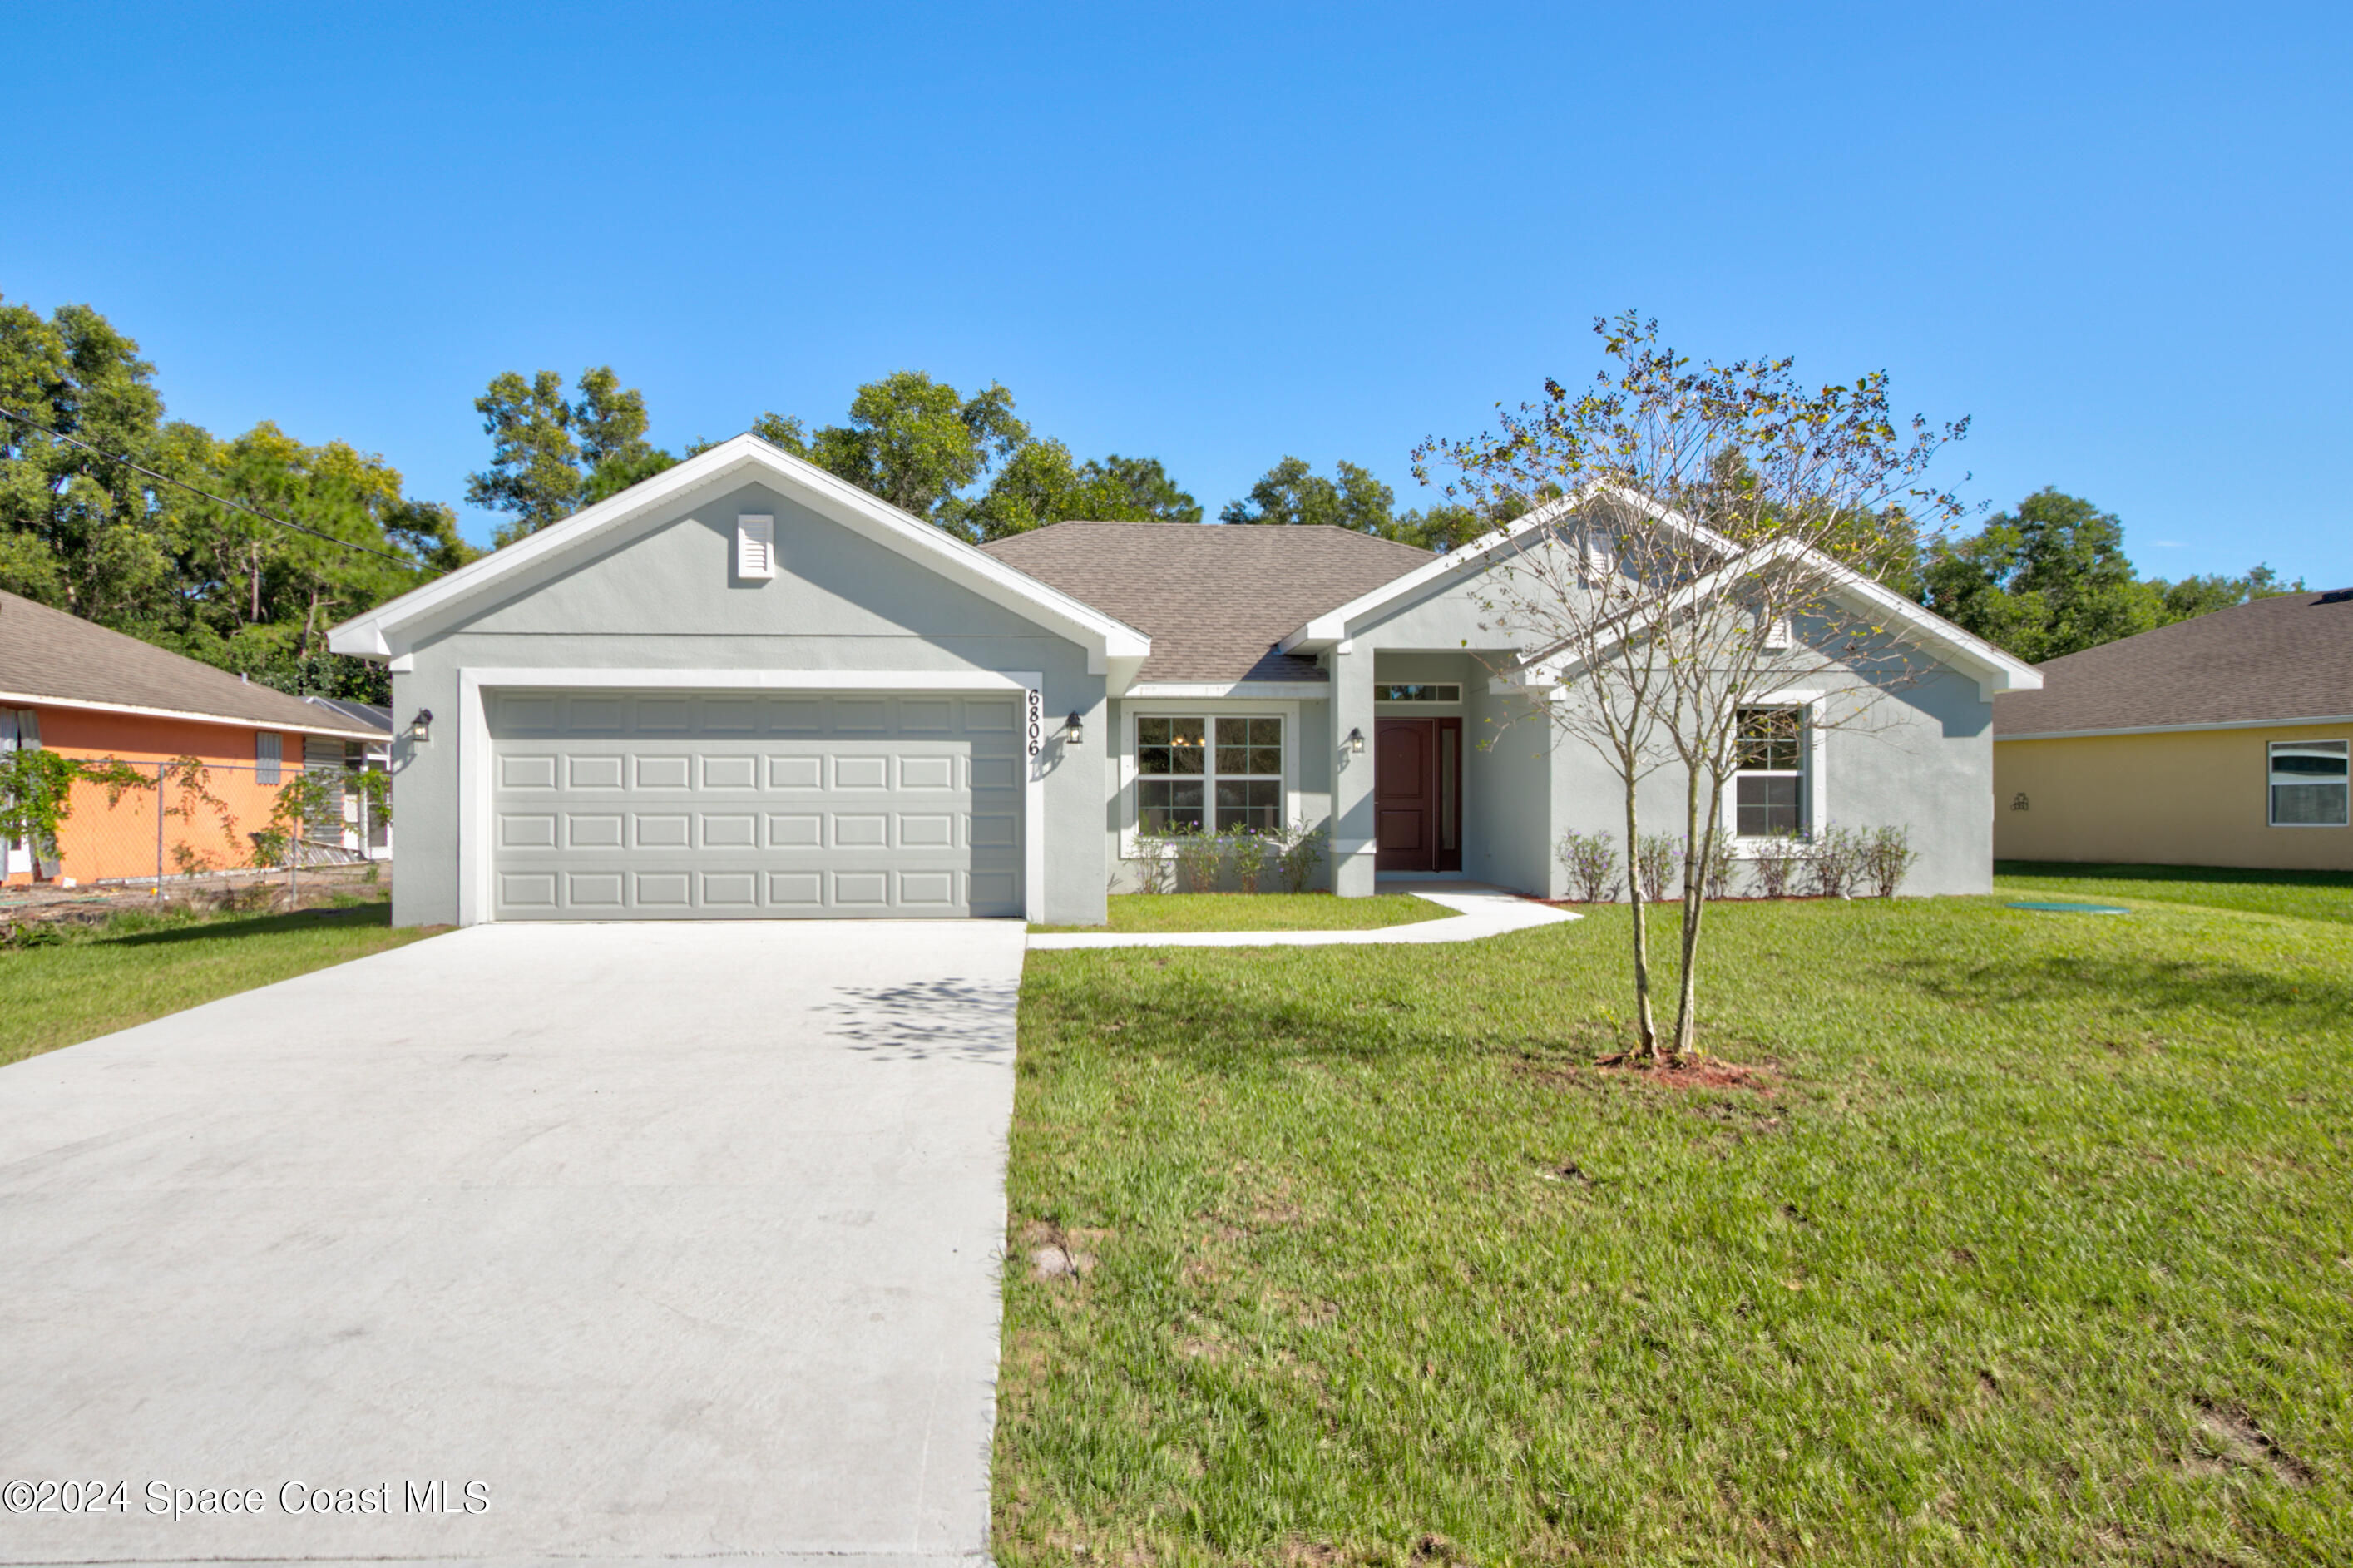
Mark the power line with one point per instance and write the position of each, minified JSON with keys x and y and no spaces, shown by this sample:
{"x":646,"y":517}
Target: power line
{"x":208,"y":495}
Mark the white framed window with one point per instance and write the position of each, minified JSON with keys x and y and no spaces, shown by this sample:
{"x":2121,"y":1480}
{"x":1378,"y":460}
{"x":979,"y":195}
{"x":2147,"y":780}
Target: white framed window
{"x":2308,"y":783}
{"x":269,"y":754}
{"x":1418,"y":692}
{"x":1206,"y":773}
{"x":755,"y":546}
{"x":1768,"y":784}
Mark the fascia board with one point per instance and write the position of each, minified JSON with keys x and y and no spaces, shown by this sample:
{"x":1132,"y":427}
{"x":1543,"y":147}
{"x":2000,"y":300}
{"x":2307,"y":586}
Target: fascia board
{"x":1105,"y":636}
{"x":1119,"y":674}
{"x":1994,"y":669}
{"x":1236,"y":690}
{"x":2001,"y":739}
{"x":188,"y":715}
{"x":1335,"y":625}
{"x":376,"y":632}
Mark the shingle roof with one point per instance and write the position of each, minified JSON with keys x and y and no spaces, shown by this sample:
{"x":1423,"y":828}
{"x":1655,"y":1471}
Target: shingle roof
{"x":47,"y":654}
{"x":369,"y":714}
{"x":2285,"y":657}
{"x":1214,"y":597}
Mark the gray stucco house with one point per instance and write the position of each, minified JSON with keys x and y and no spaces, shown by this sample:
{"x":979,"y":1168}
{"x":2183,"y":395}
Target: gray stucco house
{"x":745,"y":689}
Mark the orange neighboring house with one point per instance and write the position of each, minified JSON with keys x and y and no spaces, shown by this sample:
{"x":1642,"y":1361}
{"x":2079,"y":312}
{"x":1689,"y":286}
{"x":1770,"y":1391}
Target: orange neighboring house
{"x":79,"y":689}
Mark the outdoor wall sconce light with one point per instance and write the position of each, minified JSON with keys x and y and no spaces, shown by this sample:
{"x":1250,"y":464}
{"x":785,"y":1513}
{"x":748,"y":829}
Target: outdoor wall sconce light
{"x":1356,"y":743}
{"x":1074,"y":731}
{"x":421,"y":729}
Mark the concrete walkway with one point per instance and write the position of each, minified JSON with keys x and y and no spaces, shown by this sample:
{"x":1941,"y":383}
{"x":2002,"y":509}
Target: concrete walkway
{"x":1483,"y":911}
{"x":668,"y":1241}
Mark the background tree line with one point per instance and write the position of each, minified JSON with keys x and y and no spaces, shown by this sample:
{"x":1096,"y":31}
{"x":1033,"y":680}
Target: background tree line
{"x":2052,"y":579}
{"x":88,"y":533}
{"x":968,"y":463}
{"x":2047,"y":578}
{"x":85,"y":533}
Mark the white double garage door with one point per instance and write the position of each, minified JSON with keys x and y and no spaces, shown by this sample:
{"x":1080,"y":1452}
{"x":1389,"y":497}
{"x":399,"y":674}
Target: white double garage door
{"x":621,"y":805}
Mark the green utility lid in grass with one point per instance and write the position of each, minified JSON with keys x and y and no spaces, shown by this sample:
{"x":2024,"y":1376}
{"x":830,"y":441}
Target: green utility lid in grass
{"x":2073,"y":909}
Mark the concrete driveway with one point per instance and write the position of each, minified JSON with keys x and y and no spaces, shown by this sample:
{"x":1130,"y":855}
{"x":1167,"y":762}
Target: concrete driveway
{"x":640,"y":1241}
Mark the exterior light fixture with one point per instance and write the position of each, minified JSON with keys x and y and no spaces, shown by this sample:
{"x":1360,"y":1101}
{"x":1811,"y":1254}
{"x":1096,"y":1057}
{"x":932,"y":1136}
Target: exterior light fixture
{"x":1074,"y":731}
{"x":421,"y":729}
{"x":1356,"y":743}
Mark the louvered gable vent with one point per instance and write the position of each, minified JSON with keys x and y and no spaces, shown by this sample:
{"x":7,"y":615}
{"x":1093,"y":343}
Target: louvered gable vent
{"x":755,"y":546}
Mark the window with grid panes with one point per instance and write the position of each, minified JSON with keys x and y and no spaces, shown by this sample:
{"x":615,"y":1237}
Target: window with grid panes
{"x":1769,"y":782}
{"x":1249,"y":773}
{"x":1185,"y":783}
{"x":1172,"y":765}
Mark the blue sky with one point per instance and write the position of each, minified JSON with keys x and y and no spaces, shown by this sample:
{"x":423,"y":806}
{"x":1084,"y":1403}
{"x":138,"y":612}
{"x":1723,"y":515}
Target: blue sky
{"x":2116,"y":236}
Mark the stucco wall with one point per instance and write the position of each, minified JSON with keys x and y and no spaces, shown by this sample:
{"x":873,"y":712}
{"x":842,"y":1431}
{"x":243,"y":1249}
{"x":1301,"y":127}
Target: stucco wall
{"x":665,"y":597}
{"x":1308,"y":754}
{"x":1511,"y":758}
{"x":1915,"y":754}
{"x":1435,"y":635}
{"x":2190,"y":798}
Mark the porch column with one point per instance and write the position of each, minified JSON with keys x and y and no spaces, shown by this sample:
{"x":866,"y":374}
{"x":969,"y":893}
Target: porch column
{"x":1354,"y":831}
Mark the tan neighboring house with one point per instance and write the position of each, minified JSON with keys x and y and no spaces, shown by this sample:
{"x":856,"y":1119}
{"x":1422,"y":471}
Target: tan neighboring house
{"x":2218,"y":741}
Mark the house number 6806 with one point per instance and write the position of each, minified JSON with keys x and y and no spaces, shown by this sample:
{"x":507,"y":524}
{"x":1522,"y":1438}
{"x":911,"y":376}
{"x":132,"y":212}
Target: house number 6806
{"x":1037,"y":721}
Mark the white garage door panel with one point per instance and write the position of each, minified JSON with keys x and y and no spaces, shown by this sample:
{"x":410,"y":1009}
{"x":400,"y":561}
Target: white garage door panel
{"x":621,"y":805}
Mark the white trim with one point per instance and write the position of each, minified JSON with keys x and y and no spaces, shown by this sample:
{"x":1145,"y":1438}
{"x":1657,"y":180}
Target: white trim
{"x":27,"y":699}
{"x":474,"y":824}
{"x":1996,"y":671}
{"x":1229,"y":691}
{"x":1335,"y":625}
{"x":760,"y":680}
{"x":387,"y":630}
{"x":1816,"y":804}
{"x":1032,"y":684}
{"x":1123,"y":737}
{"x":2178,"y":728}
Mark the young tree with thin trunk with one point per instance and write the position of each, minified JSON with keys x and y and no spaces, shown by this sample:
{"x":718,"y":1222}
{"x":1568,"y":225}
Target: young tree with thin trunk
{"x":1710,"y":544}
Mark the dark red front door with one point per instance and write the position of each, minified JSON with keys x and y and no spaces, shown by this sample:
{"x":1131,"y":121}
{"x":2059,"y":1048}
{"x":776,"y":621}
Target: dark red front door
{"x":1417,"y":795}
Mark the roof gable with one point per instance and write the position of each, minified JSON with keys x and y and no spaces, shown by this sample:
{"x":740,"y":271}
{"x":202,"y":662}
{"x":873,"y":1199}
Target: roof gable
{"x":1331,"y":625}
{"x":391,"y":628}
{"x":1994,"y":669}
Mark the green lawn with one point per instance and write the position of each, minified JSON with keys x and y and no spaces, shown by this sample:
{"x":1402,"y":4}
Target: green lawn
{"x":1143,"y":912}
{"x":2031,"y":1242}
{"x":138,"y":968}
{"x":2302,"y":895}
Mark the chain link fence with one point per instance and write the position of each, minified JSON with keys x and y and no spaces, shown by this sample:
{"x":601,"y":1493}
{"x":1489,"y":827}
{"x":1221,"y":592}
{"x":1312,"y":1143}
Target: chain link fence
{"x":190,"y":826}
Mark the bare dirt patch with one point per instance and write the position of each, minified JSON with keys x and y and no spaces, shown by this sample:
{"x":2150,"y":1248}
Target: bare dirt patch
{"x":2248,"y":1445}
{"x":1693,"y":1073}
{"x":1057,"y":1254}
{"x":41,"y":905}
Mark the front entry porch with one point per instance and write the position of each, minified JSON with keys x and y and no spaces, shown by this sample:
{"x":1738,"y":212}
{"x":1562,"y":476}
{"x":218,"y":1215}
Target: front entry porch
{"x":1417,"y":795}
{"x":1439,"y":772}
